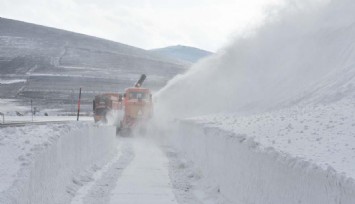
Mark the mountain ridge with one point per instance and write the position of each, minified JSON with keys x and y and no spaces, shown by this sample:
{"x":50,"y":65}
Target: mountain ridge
{"x":182,"y":52}
{"x":54,"y":62}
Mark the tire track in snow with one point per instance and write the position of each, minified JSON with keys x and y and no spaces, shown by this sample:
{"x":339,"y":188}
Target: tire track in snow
{"x":84,"y":190}
{"x":103,"y":181}
{"x":182,"y":178}
{"x":189,"y":184}
{"x":146,"y":179}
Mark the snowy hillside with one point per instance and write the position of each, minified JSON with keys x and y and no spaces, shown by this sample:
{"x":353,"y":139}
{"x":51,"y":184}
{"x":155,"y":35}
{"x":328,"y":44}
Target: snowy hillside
{"x":48,"y":65}
{"x":184,"y":53}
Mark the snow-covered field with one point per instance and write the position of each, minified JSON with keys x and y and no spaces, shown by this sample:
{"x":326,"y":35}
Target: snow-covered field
{"x":28,"y":118}
{"x":7,"y":105}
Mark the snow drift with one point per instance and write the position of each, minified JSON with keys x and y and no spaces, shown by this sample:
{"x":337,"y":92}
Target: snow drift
{"x":50,"y":166}
{"x":245,"y":172}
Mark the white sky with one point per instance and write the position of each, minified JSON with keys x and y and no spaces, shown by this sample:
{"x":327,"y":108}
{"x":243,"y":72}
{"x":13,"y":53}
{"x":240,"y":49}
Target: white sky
{"x":206,"y":24}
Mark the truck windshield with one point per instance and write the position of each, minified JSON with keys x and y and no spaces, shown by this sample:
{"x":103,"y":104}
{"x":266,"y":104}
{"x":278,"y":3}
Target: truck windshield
{"x":137,"y":95}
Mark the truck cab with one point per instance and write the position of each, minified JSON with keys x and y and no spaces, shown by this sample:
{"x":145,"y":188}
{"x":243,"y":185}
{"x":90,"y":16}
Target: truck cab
{"x":138,"y":106}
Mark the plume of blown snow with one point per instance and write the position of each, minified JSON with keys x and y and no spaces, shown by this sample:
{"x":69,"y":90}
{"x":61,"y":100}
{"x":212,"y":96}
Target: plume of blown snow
{"x":278,"y":64}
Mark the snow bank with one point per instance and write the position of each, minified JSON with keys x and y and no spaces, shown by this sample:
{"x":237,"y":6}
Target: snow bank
{"x":322,"y":135}
{"x":39,"y":163}
{"x":247,"y":172}
{"x":40,"y":118}
{"x":12,"y":81}
{"x":8,"y":105}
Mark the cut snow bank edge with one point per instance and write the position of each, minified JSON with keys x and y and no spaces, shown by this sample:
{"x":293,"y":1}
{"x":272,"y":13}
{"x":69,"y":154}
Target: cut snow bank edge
{"x":248,"y":173}
{"x":50,"y":175}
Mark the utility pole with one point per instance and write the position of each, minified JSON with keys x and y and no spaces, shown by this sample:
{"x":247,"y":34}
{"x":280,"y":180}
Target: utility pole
{"x":77,"y":118}
{"x":3,"y":117}
{"x":31,"y":110}
{"x":72,"y":106}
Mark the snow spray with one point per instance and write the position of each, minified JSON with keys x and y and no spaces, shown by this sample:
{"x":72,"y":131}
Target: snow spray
{"x":297,"y":51}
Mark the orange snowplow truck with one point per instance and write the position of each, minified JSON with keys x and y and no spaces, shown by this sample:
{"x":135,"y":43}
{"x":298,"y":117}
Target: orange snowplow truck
{"x":104,"y":104}
{"x":138,"y":106}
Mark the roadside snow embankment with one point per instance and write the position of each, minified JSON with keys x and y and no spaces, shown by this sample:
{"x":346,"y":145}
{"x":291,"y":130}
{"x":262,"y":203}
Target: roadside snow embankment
{"x":40,"y":162}
{"x":247,"y":171}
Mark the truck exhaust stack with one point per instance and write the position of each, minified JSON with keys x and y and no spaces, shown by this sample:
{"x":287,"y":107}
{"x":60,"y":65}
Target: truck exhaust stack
{"x":140,"y":81}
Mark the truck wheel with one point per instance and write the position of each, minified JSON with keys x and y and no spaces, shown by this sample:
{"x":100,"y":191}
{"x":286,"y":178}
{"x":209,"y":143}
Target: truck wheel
{"x":118,"y":130}
{"x":142,"y":130}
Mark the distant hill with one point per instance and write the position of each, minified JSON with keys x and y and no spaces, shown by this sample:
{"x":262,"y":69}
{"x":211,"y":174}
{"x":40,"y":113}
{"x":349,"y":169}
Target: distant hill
{"x":54,"y":62}
{"x":180,"y":52}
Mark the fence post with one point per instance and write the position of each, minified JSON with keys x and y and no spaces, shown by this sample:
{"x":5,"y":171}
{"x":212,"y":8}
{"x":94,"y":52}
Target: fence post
{"x":3,"y":117}
{"x":77,"y":118}
{"x":31,"y":110}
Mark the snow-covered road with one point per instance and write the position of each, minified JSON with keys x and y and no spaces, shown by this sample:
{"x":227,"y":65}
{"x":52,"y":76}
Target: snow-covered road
{"x":98,"y":187}
{"x":86,"y":163}
{"x":138,"y":174}
{"x":146,"y":179}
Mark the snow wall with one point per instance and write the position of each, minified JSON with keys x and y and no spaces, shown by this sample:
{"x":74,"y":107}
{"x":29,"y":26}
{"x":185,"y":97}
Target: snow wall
{"x":50,"y":175}
{"x":246,"y":173}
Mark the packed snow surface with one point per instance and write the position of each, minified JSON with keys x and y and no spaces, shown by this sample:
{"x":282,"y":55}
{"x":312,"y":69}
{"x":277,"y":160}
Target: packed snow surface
{"x":146,"y":179}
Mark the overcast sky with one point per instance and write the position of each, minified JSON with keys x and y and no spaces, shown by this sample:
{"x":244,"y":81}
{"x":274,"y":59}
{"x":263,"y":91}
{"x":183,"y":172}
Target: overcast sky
{"x":206,"y":24}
